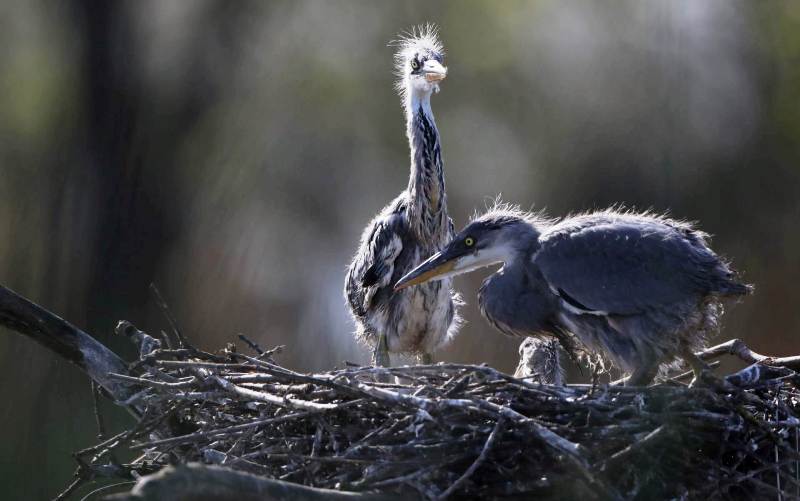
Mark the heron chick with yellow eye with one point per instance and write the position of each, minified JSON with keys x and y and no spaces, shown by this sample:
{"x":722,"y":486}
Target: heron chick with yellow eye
{"x":640,"y":288}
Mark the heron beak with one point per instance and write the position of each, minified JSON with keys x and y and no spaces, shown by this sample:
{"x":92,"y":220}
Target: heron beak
{"x":434,"y":71}
{"x":435,"y":266}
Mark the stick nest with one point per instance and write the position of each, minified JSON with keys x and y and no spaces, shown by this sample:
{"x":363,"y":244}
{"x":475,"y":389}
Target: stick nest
{"x":457,"y":431}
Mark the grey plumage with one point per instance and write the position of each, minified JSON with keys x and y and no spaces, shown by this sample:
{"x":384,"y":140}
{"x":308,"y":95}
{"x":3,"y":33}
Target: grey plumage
{"x":539,"y":359}
{"x":413,"y":226}
{"x":642,"y":289}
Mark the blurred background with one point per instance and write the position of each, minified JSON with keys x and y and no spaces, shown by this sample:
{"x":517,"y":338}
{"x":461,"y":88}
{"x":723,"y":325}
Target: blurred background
{"x":232,"y":152}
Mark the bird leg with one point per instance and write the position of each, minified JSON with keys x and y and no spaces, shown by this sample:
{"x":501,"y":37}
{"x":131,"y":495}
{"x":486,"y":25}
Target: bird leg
{"x":702,"y":371}
{"x":642,"y":375}
{"x":380,"y":356}
{"x":426,"y":359}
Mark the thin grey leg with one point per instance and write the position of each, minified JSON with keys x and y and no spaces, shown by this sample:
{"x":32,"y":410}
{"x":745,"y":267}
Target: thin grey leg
{"x":380,"y":357}
{"x":556,"y":376}
{"x":645,"y":370}
{"x":701,"y":369}
{"x":643,"y":375}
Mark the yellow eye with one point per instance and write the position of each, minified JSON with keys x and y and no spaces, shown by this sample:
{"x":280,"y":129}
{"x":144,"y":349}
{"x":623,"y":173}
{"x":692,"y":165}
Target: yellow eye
{"x":469,"y":241}
{"x":414,"y":64}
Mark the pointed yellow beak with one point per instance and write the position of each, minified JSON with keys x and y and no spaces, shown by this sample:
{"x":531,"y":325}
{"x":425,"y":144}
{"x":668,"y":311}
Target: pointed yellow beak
{"x":433,"y":267}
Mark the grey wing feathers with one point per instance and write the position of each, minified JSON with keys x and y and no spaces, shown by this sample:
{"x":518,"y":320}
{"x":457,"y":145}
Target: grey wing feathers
{"x":625,"y":267}
{"x":374,"y":265}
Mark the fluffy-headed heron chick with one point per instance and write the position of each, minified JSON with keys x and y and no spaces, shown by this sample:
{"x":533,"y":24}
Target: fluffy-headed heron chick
{"x":640,"y":288}
{"x":539,"y":359}
{"x":413,"y":226}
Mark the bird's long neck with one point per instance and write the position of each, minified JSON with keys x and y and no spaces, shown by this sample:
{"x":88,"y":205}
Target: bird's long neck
{"x":427,"y":210}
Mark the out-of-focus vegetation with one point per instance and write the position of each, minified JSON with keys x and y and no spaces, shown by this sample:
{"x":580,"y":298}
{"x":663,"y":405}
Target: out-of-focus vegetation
{"x":232,"y":152}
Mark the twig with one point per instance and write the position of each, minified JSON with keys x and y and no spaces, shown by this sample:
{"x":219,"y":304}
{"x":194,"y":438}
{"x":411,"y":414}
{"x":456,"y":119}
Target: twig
{"x":635,"y":446}
{"x":689,"y":374}
{"x":101,"y":445}
{"x":72,"y":487}
{"x":273,"y":399}
{"x":252,"y":344}
{"x":182,"y":342}
{"x":105,"y":488}
{"x":498,"y":428}
{"x":101,"y":429}
{"x":158,"y":384}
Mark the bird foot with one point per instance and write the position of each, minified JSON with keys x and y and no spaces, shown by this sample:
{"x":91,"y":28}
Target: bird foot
{"x":706,"y":378}
{"x":703,"y":374}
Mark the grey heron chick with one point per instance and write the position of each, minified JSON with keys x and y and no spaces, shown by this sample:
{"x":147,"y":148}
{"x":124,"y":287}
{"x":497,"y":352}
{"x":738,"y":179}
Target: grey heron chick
{"x":413,"y":226}
{"x":539,"y":358}
{"x":642,"y":289}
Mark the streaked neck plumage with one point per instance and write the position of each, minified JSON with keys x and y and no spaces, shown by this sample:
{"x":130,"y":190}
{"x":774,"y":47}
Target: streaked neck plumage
{"x":427,"y":210}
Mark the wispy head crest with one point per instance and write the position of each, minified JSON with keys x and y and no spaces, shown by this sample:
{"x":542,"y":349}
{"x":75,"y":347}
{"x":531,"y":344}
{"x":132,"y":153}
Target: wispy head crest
{"x":415,"y":40}
{"x":501,"y":213}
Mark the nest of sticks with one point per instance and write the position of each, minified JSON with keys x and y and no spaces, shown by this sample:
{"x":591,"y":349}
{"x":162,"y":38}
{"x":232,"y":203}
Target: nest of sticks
{"x":445,"y":431}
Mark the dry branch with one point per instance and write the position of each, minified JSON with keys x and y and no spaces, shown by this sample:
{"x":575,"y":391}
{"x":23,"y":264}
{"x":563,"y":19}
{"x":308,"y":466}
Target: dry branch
{"x":738,"y":348}
{"x":19,"y":314}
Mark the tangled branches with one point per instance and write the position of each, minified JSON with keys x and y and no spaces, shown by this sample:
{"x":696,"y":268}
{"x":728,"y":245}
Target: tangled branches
{"x":450,"y":430}
{"x":236,"y":426}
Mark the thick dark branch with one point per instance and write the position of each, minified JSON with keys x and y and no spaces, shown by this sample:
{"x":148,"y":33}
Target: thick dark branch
{"x":71,"y":343}
{"x":199,"y":482}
